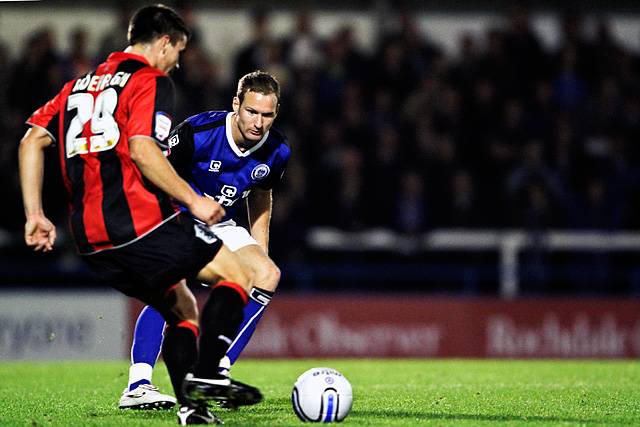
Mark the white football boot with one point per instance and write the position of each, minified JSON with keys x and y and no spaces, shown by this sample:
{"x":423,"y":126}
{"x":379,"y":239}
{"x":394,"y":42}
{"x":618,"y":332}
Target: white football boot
{"x":145,"y":396}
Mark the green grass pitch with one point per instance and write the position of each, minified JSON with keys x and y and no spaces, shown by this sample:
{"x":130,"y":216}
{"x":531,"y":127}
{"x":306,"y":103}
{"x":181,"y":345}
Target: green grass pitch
{"x":386,"y":392}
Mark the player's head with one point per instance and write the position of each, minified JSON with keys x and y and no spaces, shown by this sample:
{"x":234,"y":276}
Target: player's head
{"x":162,"y":31}
{"x":256,"y":104}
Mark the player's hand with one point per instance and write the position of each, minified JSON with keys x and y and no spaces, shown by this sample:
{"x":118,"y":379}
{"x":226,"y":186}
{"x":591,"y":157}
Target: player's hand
{"x":40,"y":233}
{"x":207,"y":210}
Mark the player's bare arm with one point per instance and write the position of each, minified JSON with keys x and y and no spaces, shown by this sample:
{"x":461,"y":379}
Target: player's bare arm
{"x":267,"y":273}
{"x":153,"y":165}
{"x":259,"y":207}
{"x":39,"y":232}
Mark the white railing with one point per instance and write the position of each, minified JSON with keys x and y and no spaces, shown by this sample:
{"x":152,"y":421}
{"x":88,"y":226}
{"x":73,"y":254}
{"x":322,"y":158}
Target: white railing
{"x":507,"y":243}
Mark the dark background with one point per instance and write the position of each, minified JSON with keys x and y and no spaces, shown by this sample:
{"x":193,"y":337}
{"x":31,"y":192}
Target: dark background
{"x":505,"y":134}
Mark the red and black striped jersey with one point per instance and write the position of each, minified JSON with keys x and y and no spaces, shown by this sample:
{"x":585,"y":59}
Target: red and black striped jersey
{"x":92,"y":119}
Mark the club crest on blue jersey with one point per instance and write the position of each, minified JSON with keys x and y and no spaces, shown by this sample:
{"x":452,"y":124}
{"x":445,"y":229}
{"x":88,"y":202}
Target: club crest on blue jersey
{"x":260,"y":172}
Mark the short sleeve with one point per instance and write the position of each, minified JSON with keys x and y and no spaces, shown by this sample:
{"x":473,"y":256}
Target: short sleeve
{"x":48,"y":117}
{"x":279,"y":167}
{"x":181,"y":149}
{"x":152,"y":108}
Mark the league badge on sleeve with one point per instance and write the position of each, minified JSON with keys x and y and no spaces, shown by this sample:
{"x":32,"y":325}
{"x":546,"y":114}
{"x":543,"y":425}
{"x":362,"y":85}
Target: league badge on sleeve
{"x":163,"y":126}
{"x":260,"y":172}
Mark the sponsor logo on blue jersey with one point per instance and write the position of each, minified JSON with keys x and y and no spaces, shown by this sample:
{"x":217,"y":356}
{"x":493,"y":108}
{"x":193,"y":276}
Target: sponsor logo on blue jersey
{"x":214,"y":166}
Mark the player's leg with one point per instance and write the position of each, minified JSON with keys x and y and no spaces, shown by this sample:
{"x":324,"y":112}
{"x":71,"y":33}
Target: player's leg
{"x":177,"y":305}
{"x":148,"y":269}
{"x":266,"y":278}
{"x":145,"y":349}
{"x":147,"y":341}
{"x":180,"y":351}
{"x":148,"y":337}
{"x":221,"y":316}
{"x":229,"y":294}
{"x":182,"y":332}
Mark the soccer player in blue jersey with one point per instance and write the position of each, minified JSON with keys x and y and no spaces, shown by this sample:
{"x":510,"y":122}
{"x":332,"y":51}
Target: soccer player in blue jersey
{"x":231,"y":157}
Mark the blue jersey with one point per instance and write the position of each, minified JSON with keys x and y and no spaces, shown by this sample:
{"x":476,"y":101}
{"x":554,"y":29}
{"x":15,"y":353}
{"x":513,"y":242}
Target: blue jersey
{"x":203,"y":152}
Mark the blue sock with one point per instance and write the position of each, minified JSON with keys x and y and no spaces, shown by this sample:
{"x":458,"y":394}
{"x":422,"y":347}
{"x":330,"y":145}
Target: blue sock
{"x":253,"y":311}
{"x":147,"y":341}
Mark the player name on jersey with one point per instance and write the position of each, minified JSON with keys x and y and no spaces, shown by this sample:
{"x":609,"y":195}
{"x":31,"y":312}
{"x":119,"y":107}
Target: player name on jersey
{"x":96,"y":83}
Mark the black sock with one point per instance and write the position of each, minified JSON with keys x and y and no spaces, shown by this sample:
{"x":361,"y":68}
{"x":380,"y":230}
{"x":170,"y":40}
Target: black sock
{"x":180,"y":351}
{"x":219,"y":322}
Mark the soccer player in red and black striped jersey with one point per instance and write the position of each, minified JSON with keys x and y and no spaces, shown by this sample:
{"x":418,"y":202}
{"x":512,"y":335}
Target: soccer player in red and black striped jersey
{"x":110,"y":127}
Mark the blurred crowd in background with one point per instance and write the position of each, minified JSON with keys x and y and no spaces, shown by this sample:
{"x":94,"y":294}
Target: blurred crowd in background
{"x":407,"y":137}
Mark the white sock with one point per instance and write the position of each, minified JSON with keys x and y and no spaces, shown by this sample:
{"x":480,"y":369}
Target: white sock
{"x":140,"y":371}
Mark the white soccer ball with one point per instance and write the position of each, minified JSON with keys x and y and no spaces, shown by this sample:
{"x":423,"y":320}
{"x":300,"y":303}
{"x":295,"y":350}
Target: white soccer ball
{"x":321,"y":395}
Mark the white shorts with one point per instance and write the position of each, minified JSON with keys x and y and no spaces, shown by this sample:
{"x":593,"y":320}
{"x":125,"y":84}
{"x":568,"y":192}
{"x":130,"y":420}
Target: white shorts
{"x":234,"y":236}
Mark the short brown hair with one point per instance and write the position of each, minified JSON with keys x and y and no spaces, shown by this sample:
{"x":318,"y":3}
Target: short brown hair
{"x":151,"y":22}
{"x":258,"y":81}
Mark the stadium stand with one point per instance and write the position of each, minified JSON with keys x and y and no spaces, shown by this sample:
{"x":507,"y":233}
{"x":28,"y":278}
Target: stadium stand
{"x":408,"y":138}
